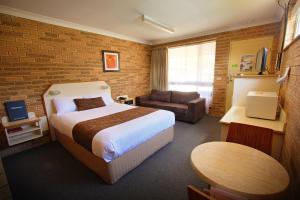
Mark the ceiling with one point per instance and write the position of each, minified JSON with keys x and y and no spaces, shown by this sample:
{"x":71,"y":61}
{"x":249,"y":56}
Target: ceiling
{"x":122,"y":18}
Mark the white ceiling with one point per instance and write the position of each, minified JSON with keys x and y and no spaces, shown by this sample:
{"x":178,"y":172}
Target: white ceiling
{"x":121,"y":18}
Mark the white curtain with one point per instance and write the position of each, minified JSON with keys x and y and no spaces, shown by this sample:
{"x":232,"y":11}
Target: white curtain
{"x":191,"y":68}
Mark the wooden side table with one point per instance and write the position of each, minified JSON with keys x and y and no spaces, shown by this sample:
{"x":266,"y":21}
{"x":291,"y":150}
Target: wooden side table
{"x":237,"y":114}
{"x":22,"y":130}
{"x":240,"y":169}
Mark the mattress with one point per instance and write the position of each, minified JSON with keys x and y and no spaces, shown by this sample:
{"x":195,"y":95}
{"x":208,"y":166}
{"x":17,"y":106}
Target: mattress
{"x":113,"y":142}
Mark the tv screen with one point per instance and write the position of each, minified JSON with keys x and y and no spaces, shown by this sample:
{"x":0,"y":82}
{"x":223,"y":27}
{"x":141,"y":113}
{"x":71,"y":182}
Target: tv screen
{"x":261,"y":60}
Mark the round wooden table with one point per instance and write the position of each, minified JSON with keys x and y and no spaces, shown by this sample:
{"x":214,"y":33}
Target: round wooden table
{"x":239,"y":169}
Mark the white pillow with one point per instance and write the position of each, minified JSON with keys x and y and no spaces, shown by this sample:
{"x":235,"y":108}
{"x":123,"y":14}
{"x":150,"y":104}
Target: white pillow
{"x":64,"y":104}
{"x":105,"y":97}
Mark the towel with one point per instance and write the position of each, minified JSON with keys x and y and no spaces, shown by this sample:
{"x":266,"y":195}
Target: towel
{"x":252,"y":136}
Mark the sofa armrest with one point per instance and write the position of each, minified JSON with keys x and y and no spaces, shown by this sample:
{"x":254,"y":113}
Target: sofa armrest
{"x":140,"y":99}
{"x":196,"y":109}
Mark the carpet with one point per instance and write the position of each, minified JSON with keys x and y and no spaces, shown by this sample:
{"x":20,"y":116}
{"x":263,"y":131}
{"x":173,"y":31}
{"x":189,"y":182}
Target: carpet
{"x":50,"y":172}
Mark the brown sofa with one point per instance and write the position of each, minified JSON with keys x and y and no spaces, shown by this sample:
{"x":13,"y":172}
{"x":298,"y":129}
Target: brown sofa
{"x":187,"y":106}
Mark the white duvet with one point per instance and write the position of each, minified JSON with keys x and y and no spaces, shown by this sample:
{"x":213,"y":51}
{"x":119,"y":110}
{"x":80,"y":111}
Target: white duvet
{"x":113,"y":142}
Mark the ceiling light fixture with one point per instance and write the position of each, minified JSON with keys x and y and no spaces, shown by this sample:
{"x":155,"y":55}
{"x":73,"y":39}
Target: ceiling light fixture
{"x":156,"y":24}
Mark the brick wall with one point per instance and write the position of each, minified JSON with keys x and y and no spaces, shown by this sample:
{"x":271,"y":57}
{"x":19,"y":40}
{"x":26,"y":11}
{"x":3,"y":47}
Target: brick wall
{"x":34,"y":55}
{"x":222,"y":56}
{"x":290,"y":99}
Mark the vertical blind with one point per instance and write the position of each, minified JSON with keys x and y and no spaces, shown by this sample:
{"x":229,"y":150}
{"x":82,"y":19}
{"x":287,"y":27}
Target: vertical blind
{"x":191,"y":68}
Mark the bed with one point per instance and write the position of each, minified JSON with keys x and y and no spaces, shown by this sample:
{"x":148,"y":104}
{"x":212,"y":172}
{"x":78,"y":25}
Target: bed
{"x":115,"y":150}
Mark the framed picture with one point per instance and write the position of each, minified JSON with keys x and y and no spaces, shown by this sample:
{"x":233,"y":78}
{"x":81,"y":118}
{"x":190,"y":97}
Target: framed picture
{"x":247,"y":63}
{"x":111,"y":61}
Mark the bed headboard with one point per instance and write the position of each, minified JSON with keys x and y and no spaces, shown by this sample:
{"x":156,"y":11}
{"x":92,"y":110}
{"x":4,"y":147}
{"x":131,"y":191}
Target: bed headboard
{"x":71,"y":89}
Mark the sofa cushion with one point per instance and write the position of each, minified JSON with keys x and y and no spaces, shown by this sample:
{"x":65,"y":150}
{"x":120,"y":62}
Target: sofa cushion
{"x":157,"y":95}
{"x":183,"y":97}
{"x":174,"y":107}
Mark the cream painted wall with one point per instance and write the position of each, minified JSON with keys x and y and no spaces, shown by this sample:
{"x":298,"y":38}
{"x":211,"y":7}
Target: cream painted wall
{"x":242,"y":85}
{"x":244,"y":47}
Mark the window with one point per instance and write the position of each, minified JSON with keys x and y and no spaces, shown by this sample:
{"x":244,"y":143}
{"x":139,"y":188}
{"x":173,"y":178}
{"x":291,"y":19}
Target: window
{"x":191,"y":68}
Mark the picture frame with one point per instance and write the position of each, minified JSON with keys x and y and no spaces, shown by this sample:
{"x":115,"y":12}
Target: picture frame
{"x":111,"y":61}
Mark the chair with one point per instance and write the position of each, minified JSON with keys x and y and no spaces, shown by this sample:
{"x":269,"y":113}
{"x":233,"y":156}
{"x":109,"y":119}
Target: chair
{"x":252,"y":136}
{"x":212,"y":194}
{"x":195,"y":194}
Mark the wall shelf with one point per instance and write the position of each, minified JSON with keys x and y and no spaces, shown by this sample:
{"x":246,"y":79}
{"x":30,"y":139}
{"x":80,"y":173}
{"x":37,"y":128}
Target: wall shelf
{"x":255,"y":76}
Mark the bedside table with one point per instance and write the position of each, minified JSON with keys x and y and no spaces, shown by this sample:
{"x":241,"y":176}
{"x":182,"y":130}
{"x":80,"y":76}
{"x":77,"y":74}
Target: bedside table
{"x":128,"y":101}
{"x":22,"y":130}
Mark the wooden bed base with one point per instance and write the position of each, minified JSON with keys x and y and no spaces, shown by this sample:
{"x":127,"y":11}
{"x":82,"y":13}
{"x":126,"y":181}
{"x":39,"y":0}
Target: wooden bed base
{"x":111,"y":172}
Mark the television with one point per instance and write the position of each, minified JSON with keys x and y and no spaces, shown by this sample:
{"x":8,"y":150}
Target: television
{"x":261,"y":60}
